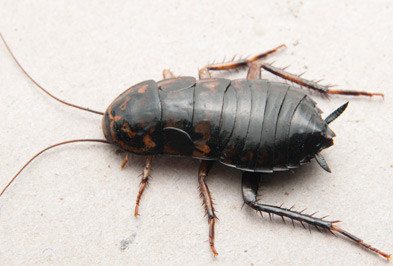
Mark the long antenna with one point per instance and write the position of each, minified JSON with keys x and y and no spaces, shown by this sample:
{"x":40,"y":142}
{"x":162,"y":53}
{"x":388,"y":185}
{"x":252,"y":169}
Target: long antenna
{"x":42,"y":88}
{"x":44,"y":150}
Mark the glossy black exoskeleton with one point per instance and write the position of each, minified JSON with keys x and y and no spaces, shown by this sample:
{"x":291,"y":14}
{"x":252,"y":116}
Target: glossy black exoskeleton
{"x":255,"y":125}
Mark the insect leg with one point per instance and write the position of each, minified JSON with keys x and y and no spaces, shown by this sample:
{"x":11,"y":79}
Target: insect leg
{"x":204,"y":168}
{"x":234,"y":64}
{"x":204,"y":73}
{"x":250,"y":183}
{"x":254,"y":71}
{"x":167,"y":74}
{"x":124,"y":162}
{"x":144,"y":181}
{"x":324,"y":89}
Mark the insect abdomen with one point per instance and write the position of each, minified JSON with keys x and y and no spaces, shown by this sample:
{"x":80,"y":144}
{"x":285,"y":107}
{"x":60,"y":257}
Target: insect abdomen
{"x":253,"y":125}
{"x":264,"y":138}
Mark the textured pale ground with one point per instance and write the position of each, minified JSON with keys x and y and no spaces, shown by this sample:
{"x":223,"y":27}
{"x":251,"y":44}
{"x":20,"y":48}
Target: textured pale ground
{"x":74,"y":206}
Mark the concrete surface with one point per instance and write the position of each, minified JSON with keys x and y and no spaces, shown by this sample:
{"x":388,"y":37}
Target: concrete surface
{"x":73,"y":205}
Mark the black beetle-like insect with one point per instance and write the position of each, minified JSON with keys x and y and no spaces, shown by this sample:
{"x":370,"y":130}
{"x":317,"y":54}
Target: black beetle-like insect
{"x":255,"y":125}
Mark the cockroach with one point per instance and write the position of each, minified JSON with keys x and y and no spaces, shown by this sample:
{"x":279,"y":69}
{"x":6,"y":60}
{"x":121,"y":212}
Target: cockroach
{"x":254,"y":125}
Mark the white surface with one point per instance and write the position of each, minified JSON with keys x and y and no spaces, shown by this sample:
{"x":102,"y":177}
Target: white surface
{"x":73,"y":205}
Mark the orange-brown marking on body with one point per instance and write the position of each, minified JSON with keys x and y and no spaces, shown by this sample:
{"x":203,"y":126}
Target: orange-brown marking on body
{"x":143,"y":89}
{"x":124,"y":146}
{"x":204,"y":128}
{"x":148,"y":141}
{"x":117,"y":118}
{"x":168,"y":149}
{"x":127,"y":129}
{"x":202,"y":147}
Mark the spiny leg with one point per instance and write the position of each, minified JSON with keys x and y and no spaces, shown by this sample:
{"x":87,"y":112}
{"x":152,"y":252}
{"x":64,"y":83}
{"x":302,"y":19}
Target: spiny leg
{"x":250,"y":183}
{"x":144,"y":181}
{"x":244,"y":62}
{"x":204,"y":169}
{"x":324,"y":89}
{"x":204,"y":72}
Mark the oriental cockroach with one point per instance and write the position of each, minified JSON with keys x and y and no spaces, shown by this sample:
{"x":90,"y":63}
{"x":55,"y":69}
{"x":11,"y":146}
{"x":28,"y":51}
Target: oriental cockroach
{"x":255,"y":125}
